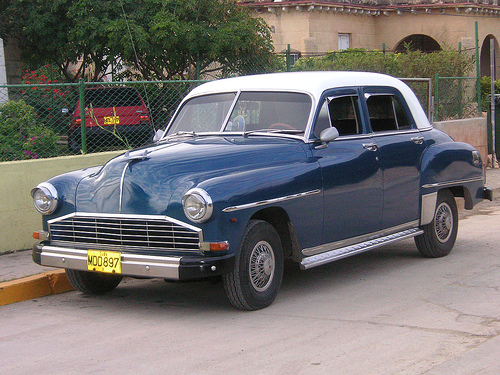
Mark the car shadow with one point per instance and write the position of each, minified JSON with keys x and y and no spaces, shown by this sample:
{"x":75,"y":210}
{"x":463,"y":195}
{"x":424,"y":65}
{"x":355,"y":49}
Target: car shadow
{"x":209,"y":296}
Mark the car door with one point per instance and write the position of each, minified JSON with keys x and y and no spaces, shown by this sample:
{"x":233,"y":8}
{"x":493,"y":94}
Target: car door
{"x":400,"y":146}
{"x":352,"y":181}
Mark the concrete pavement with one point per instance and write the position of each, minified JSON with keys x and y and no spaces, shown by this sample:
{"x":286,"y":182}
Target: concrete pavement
{"x":21,"y":279}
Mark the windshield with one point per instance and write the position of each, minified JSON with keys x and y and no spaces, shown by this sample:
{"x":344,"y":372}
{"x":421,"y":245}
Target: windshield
{"x":254,"y":111}
{"x":270,"y":111}
{"x":203,"y":114}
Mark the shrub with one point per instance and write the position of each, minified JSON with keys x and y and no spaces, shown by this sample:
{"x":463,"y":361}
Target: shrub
{"x":48,"y":101}
{"x":486,"y":92}
{"x":411,"y":64}
{"x":21,"y":137}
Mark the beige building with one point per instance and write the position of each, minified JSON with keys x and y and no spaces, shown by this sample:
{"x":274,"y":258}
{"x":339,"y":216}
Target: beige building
{"x":320,"y":26}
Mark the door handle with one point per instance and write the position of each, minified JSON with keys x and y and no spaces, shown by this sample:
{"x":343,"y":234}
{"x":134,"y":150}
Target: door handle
{"x":370,"y":146}
{"x":418,"y":140}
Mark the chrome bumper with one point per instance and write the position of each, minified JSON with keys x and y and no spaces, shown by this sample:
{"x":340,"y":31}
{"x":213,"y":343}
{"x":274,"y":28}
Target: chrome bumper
{"x":135,"y":265}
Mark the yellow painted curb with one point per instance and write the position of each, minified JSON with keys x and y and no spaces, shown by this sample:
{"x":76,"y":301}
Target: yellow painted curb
{"x":44,"y":284}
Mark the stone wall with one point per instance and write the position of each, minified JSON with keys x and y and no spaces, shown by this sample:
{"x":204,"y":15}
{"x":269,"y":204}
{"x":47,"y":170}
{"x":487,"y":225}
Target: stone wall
{"x":473,"y":131}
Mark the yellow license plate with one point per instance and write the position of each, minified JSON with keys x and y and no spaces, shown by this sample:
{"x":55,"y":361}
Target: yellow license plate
{"x":104,"y":261}
{"x":111,"y":120}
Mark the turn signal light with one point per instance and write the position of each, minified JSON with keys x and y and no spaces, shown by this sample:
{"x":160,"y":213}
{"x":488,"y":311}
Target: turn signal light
{"x":41,"y":235}
{"x":219,"y":246}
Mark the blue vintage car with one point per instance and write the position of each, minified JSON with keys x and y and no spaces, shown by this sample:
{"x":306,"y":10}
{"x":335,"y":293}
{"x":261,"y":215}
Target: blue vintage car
{"x":313,"y":166}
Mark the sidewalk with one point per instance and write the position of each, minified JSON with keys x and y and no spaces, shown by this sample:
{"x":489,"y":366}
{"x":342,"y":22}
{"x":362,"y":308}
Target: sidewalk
{"x":22,"y":279}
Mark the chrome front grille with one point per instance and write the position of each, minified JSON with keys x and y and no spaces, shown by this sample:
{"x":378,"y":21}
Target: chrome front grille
{"x":125,"y":231}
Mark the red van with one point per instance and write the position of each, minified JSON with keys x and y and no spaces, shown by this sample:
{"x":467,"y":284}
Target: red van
{"x":113,"y":116}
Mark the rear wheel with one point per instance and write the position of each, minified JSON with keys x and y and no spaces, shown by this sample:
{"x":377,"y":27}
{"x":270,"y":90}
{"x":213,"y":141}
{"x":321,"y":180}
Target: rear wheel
{"x":93,"y":282}
{"x":256,"y":278}
{"x":439,"y":235}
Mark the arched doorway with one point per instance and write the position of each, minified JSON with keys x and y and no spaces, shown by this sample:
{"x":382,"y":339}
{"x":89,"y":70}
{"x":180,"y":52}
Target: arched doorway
{"x":485,"y":57}
{"x":417,"y":42}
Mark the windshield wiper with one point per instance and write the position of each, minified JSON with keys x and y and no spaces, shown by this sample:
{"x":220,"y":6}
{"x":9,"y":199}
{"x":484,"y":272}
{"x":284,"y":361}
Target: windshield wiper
{"x":279,"y":131}
{"x":181,"y":134}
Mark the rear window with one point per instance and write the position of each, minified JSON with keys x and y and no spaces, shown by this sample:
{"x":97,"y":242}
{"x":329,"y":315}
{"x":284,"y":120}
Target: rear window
{"x":112,"y":97}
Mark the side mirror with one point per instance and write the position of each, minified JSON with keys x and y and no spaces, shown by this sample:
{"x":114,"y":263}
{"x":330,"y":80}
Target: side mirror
{"x":158,"y":135}
{"x":329,"y":135}
{"x":65,"y":111}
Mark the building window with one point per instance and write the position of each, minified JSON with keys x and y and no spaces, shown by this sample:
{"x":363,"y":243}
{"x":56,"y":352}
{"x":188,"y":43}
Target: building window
{"x":344,"y":41}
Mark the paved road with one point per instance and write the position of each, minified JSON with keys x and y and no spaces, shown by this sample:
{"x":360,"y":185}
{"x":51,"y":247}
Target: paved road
{"x":385,"y":312}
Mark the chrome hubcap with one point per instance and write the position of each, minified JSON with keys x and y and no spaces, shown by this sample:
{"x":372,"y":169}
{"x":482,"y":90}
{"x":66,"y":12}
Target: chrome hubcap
{"x":443,"y":222}
{"x":262,"y":264}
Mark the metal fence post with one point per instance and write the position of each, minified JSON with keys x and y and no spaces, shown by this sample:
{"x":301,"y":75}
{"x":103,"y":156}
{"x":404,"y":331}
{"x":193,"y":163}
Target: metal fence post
{"x":460,"y":99}
{"x":81,"y":88}
{"x":493,"y":101}
{"x":436,"y":97}
{"x":288,"y":59}
{"x":478,"y":71}
{"x":197,"y":65}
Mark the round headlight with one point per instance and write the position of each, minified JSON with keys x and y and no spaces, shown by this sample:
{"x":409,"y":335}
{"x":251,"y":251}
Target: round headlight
{"x":45,"y":198}
{"x":197,"y":205}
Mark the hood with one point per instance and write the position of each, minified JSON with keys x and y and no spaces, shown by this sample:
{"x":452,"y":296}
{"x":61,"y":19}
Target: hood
{"x":146,"y":181}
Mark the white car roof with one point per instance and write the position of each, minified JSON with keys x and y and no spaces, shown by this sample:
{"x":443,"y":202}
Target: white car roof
{"x":313,"y":83}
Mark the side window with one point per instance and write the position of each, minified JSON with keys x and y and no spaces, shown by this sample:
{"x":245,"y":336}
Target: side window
{"x":340,"y":112}
{"x":386,"y":113}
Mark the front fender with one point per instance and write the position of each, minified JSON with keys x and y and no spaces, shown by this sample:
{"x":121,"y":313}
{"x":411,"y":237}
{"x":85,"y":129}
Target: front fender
{"x":66,"y":185}
{"x":238,"y":196}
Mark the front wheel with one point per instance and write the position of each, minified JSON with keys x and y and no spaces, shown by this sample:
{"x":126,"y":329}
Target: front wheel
{"x":92,"y":282}
{"x":440,"y":234}
{"x":256,"y":278}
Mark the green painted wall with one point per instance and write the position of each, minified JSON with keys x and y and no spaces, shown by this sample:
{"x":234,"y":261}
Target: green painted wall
{"x":18,"y":217}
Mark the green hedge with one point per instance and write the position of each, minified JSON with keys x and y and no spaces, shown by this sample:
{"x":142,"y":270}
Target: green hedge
{"x":486,"y":91}
{"x":414,"y":64}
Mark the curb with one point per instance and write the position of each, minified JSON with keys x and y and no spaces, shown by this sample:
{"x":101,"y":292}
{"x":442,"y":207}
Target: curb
{"x":44,"y":284}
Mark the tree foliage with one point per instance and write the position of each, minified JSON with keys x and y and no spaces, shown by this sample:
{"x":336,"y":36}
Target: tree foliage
{"x":66,"y":33}
{"x":159,"y":39}
{"x":166,"y":39}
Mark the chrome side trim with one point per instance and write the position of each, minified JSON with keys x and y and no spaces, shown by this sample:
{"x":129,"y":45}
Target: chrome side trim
{"x":428,"y":207}
{"x":270,"y":201}
{"x":356,"y":240}
{"x":451,"y":183}
{"x":344,"y":252}
{"x":394,"y":132}
{"x":132,"y":264}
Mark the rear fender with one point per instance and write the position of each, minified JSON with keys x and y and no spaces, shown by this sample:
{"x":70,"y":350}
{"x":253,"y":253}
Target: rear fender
{"x":455,"y":166}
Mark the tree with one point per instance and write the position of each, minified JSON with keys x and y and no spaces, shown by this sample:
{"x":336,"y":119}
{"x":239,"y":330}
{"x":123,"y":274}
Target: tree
{"x":166,"y":39}
{"x":68,"y":33}
{"x":159,"y":39}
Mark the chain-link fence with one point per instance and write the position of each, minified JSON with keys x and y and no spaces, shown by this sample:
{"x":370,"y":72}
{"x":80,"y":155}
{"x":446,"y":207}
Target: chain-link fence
{"x":422,"y":87}
{"x":46,"y":120}
{"x":455,"y":98}
{"x":49,"y":120}
{"x":59,"y":119}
